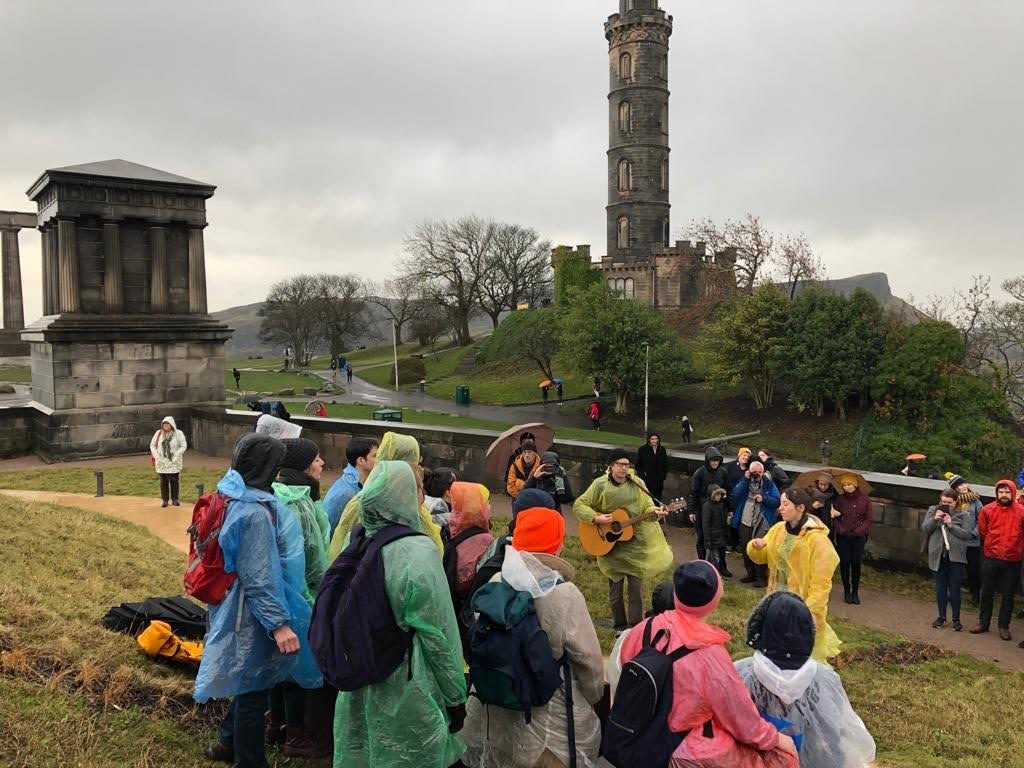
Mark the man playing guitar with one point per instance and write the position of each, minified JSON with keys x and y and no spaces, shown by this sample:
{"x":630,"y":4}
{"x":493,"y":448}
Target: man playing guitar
{"x":645,"y":556}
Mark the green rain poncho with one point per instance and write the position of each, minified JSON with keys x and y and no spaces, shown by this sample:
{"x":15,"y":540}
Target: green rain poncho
{"x":645,"y":556}
{"x":315,"y":530}
{"x":401,"y":722}
{"x":393,"y":447}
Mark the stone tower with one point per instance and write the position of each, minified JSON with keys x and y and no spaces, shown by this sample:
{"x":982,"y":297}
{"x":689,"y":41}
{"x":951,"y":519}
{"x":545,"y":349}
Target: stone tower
{"x":638,"y":148}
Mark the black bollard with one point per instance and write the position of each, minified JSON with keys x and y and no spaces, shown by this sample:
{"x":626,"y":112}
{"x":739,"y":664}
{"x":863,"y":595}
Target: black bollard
{"x":99,"y":483}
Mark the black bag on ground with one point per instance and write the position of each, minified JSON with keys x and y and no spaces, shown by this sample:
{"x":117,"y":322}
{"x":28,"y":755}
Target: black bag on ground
{"x":637,"y":731}
{"x":187,"y":620}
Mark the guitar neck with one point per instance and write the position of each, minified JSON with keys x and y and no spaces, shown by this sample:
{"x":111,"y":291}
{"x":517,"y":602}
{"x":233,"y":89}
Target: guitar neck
{"x":645,"y":518}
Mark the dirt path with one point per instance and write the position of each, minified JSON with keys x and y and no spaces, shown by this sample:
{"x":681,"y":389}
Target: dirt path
{"x":899,"y":615}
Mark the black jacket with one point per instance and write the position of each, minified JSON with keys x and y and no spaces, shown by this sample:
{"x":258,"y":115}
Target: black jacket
{"x":778,"y":474}
{"x":548,"y":484}
{"x":650,"y":466}
{"x":715,"y":520}
{"x":733,"y":474}
{"x":705,"y":477}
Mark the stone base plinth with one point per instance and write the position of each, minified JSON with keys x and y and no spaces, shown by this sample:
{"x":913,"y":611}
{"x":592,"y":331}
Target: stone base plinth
{"x":106,"y":383}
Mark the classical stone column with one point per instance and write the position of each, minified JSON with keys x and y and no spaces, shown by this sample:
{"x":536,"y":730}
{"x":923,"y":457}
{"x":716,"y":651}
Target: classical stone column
{"x":14,"y":312}
{"x":196,"y":272}
{"x":113,"y":282}
{"x":158,"y":295}
{"x":51,"y":270}
{"x":67,"y":245}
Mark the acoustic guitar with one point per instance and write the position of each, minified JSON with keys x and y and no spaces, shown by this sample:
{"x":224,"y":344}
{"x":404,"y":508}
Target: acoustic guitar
{"x":599,"y":540}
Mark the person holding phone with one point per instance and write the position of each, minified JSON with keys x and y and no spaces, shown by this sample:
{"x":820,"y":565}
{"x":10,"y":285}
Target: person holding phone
{"x":947,"y":530}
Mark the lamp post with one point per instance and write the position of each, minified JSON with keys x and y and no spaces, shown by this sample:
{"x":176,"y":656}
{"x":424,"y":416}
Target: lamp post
{"x":394,"y":341}
{"x":647,"y":380}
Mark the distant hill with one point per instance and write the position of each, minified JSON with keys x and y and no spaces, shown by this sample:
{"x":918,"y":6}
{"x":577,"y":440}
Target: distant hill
{"x":875,"y":283}
{"x":246,"y":321}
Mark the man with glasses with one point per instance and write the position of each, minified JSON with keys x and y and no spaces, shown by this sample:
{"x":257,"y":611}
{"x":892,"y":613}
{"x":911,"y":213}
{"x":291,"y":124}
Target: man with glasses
{"x":645,"y":556}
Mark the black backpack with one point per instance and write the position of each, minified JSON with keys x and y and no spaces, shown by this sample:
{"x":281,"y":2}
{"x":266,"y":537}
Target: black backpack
{"x":185,"y":618}
{"x":637,"y":732}
{"x":353,"y":633}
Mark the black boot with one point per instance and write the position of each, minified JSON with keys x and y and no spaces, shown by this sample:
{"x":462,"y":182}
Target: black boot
{"x":844,"y":572}
{"x":855,"y":585}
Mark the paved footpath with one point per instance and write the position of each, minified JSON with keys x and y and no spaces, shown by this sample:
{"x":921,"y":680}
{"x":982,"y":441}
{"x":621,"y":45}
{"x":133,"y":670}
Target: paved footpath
{"x":896,"y":614}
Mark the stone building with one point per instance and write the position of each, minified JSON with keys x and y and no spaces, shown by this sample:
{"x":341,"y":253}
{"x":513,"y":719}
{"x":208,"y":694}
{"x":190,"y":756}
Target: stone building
{"x":641,"y":262}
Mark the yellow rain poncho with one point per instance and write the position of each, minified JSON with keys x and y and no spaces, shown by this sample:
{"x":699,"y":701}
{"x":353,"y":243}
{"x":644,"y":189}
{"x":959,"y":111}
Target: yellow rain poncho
{"x":645,"y":556}
{"x":393,"y":447}
{"x":401,"y":722}
{"x":804,"y":565}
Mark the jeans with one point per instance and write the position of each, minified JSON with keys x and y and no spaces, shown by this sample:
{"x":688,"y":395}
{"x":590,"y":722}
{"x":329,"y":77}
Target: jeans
{"x":169,"y":486}
{"x":242,"y":729}
{"x":754,"y":571}
{"x":974,"y":572}
{"x":851,"y":554}
{"x":635,"y":588}
{"x":997,"y":576}
{"x":948,"y":580}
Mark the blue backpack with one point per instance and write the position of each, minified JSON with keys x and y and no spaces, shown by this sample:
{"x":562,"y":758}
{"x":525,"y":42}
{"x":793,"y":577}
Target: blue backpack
{"x":637,"y":731}
{"x":353,"y":634}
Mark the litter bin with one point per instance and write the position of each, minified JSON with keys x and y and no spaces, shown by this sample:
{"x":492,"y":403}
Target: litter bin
{"x":462,"y":394}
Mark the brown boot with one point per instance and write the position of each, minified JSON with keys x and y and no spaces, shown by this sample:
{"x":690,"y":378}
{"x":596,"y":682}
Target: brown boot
{"x":299,"y":744}
{"x":1004,"y":633}
{"x":275,"y":732}
{"x":979,"y":630}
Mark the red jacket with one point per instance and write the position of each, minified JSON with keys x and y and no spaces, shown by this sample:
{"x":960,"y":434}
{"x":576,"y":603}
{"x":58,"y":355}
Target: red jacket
{"x":855,"y":514}
{"x":1002,"y":528}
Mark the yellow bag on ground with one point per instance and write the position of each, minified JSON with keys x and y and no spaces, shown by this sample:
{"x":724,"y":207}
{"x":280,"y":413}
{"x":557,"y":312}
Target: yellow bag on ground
{"x":158,"y":641}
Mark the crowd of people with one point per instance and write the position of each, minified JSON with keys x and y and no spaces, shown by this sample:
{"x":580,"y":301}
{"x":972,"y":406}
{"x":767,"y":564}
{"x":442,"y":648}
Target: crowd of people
{"x":439,"y":591}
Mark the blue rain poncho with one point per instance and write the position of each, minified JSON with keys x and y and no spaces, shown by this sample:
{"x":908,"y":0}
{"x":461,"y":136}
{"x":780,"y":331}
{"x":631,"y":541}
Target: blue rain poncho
{"x":240,"y":655}
{"x":401,"y":722}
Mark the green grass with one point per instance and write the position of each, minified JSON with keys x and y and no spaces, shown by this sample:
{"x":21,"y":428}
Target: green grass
{"x":117,"y":481}
{"x":272,"y":382}
{"x":16,"y":374}
{"x":512,"y":383}
{"x":72,"y":693}
{"x":437,"y":366}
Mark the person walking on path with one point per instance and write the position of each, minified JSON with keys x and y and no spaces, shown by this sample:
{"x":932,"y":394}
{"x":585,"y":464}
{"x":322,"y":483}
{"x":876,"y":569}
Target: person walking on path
{"x":499,"y":737}
{"x":786,"y":683}
{"x":712,"y":473}
{"x":853,"y":517}
{"x":544,"y":391}
{"x":257,"y":633}
{"x":1001,"y":526}
{"x":826,"y":451}
{"x":721,"y":727}
{"x":238,"y":378}
{"x":652,"y":465}
{"x":801,"y":560}
{"x":646,"y":556}
{"x":970,"y":503}
{"x":559,"y":391}
{"x":167,"y":452}
{"x":334,"y":370}
{"x":411,"y":718}
{"x":755,"y":504}
{"x":348,"y":373}
{"x":947,"y":532}
{"x":687,"y":428}
{"x":594,"y":414}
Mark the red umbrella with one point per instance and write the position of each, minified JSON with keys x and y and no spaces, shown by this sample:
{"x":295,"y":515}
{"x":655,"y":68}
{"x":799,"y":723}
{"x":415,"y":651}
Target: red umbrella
{"x":916,"y":457}
{"x":501,"y":449}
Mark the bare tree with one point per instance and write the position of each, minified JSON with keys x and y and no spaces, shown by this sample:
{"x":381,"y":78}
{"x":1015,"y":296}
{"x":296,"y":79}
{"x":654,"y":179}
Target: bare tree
{"x":517,"y":270}
{"x":429,"y":323}
{"x":754,"y":244}
{"x":290,"y":316}
{"x":341,"y":310}
{"x":397,"y":297}
{"x":449,"y":260}
{"x":798,"y":263}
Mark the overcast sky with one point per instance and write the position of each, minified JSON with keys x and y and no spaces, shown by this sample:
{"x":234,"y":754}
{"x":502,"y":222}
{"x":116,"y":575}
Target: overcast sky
{"x":889,"y":131}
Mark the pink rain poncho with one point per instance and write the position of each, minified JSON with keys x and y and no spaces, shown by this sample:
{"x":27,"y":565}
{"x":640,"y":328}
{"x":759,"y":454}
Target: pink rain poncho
{"x":470,"y":509}
{"x":707,"y":689}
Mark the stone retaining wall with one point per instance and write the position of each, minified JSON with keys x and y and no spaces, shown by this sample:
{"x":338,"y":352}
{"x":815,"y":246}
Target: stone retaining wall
{"x":900,"y":503}
{"x":16,"y":427}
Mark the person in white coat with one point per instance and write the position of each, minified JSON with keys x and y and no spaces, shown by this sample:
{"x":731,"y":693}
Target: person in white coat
{"x":167,"y":451}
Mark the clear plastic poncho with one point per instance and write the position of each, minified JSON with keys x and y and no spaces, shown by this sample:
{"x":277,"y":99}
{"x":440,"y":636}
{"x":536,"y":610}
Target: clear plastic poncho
{"x":648,"y":554}
{"x":813,"y":699}
{"x":315,"y":528}
{"x":240,"y":655}
{"x":393,"y":447}
{"x":501,"y":738}
{"x":401,"y":722}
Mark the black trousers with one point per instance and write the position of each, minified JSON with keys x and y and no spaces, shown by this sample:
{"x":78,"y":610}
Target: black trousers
{"x":169,"y":486}
{"x":243,"y":729}
{"x":851,"y":555}
{"x":754,"y":571}
{"x":997,"y":577}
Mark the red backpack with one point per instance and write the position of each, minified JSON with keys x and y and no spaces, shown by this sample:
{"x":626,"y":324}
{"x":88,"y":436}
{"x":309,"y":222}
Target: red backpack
{"x":205,"y":578}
